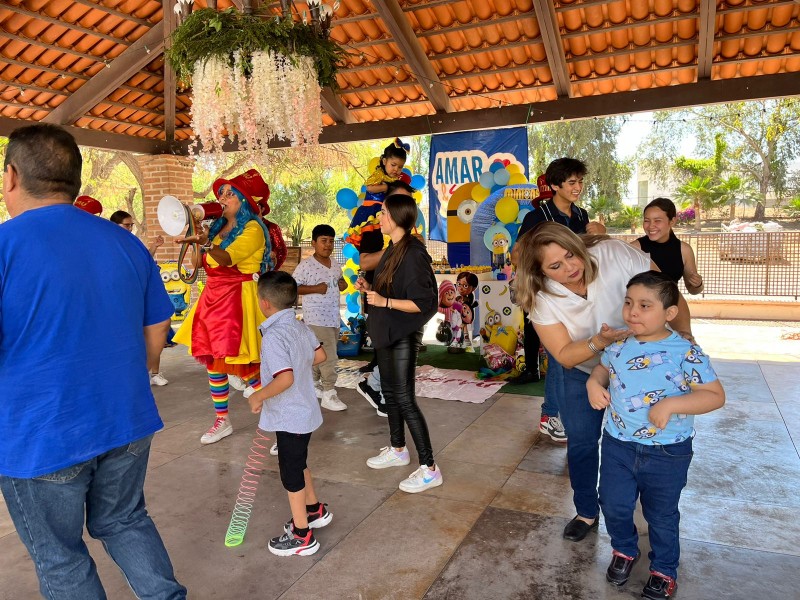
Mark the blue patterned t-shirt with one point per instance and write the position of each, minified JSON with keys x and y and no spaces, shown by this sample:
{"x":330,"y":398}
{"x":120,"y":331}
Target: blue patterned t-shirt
{"x":644,"y":373}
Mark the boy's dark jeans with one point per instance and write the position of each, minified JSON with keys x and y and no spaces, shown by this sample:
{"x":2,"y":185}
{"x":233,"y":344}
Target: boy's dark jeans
{"x":657,"y":474}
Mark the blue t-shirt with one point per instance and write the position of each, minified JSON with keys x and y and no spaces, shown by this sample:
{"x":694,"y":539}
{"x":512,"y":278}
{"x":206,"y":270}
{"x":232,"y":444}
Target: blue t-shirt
{"x":644,"y":373}
{"x":75,"y":293}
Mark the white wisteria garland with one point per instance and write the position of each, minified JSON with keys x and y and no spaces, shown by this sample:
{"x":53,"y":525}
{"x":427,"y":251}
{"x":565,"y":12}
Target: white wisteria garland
{"x":279,"y":98}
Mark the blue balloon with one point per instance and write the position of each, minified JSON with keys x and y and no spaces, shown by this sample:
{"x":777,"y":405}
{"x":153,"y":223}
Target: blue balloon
{"x":418,"y":182}
{"x":350,"y":251}
{"x":353,"y":306}
{"x":348,"y":273}
{"x":407,"y":171}
{"x":353,"y":278}
{"x":347,"y":198}
{"x":513,"y":229}
{"x":495,"y":166}
{"x":486,"y":180}
{"x":502,"y":176}
{"x":521,"y":214}
{"x":353,"y":296}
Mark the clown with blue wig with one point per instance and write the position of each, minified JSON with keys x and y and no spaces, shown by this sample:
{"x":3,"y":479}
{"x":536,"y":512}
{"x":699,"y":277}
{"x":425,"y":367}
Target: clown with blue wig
{"x":221,"y":329}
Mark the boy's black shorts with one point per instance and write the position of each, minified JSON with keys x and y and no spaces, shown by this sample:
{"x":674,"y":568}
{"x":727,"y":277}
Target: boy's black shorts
{"x":292,"y":455}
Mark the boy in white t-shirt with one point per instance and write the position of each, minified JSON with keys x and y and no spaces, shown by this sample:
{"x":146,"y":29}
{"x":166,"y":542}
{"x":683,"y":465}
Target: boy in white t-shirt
{"x":319,"y":281}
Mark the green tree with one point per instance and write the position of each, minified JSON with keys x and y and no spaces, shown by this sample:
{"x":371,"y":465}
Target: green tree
{"x":735,"y":190}
{"x":758,"y":137}
{"x":700,"y":193}
{"x":602,"y":207}
{"x":632,"y":215}
{"x":594,"y":141}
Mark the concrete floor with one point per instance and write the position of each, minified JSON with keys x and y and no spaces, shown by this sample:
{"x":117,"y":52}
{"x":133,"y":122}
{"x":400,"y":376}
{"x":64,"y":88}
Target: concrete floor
{"x":493,"y":529}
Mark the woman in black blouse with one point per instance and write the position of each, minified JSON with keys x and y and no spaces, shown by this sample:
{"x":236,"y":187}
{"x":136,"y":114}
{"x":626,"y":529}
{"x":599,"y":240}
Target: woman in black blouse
{"x":402,"y":299}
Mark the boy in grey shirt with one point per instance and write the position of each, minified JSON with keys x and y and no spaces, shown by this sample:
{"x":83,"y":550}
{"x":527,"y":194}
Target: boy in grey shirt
{"x":288,"y":406}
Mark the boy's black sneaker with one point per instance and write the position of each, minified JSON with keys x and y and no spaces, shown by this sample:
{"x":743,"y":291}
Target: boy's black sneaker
{"x":620,"y":568}
{"x":319,"y":518}
{"x":290,"y":544}
{"x":659,"y":587}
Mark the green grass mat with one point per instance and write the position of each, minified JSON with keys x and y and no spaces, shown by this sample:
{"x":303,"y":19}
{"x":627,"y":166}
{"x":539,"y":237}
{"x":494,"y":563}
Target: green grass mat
{"x":437,"y":356}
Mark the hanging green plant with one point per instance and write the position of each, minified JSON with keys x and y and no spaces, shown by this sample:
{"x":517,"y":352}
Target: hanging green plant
{"x":208,"y":33}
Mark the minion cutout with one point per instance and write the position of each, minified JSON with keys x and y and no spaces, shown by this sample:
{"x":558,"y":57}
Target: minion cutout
{"x":179,"y":292}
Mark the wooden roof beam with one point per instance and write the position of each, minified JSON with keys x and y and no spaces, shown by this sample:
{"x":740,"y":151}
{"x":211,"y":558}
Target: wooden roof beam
{"x":168,"y":25}
{"x":553,"y":46}
{"x":98,"y":139}
{"x":333,"y":105}
{"x":138,"y":54}
{"x":705,"y":44}
{"x":404,"y":36}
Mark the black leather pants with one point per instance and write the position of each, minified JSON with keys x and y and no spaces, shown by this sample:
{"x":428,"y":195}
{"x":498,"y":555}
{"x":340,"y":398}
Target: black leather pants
{"x":397,"y":364}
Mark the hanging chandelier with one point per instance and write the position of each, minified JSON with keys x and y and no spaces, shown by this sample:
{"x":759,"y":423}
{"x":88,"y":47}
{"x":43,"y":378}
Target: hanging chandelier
{"x":254,"y":77}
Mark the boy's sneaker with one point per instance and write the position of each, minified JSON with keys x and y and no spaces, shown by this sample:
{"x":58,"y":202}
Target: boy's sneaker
{"x":274,"y":450}
{"x":221,"y":428}
{"x":158,"y":379}
{"x":320,"y":518}
{"x":659,"y":587}
{"x":317,"y":390}
{"x":236,"y":382}
{"x":553,"y":427}
{"x":421,"y":480}
{"x":331,"y":401}
{"x":388,"y":457}
{"x":290,"y":544}
{"x":374,"y":398}
{"x":619,"y":571}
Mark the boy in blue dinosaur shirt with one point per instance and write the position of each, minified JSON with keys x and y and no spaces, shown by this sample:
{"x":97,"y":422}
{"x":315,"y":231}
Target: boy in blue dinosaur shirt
{"x":653,"y":383}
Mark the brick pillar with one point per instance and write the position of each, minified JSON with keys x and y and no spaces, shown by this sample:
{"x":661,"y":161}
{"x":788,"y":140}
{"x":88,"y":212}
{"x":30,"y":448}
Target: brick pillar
{"x":164,"y":175}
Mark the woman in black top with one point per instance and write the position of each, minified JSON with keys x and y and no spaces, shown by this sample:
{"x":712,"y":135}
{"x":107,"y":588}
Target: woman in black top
{"x":674,"y":257}
{"x":402,"y":299}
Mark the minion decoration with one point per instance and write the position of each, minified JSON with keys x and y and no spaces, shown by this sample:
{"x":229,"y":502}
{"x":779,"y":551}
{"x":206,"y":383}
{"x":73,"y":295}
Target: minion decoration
{"x":179,"y":292}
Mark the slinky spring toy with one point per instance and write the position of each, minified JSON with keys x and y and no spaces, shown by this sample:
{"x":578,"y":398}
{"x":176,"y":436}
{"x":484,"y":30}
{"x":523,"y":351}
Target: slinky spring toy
{"x":253,"y":469}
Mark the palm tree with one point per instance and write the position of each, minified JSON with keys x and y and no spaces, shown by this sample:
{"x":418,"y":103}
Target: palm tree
{"x":734,"y":190}
{"x":632,"y":215}
{"x":700,"y":193}
{"x":602,"y":207}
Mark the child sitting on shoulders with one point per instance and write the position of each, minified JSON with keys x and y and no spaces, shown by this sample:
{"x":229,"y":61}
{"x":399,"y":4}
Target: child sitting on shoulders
{"x":288,"y":406}
{"x":653,"y":384}
{"x":319,"y":280}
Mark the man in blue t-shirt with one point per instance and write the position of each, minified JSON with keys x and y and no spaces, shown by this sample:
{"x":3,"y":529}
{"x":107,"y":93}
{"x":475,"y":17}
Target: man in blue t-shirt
{"x":82,"y":307}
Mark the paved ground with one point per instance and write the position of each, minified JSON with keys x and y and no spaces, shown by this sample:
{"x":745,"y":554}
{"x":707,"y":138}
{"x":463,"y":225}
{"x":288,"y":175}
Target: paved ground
{"x":493,"y":529}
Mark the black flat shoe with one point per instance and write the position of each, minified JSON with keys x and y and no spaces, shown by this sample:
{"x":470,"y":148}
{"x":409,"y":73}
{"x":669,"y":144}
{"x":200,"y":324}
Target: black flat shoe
{"x":524,"y":377}
{"x":576,"y":529}
{"x":620,"y":568}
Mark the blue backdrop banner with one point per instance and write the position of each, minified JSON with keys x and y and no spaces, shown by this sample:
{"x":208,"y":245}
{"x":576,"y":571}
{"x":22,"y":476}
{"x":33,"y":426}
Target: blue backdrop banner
{"x":458,"y":158}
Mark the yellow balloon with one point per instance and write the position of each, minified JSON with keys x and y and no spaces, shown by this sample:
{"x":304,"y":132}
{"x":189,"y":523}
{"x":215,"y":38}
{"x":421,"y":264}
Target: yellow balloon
{"x":480,"y":193}
{"x":373,"y":164}
{"x":352,"y":212}
{"x":506,"y":210}
{"x":350,"y":264}
{"x":514,"y":168}
{"x":362,"y":196}
{"x":417,"y":196}
{"x":517,"y":179}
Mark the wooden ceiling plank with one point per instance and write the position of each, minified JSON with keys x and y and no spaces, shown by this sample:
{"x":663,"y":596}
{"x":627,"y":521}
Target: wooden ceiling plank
{"x":35,"y":67}
{"x":115,"y":12}
{"x":38,"y":44}
{"x":749,"y":5}
{"x":512,"y":69}
{"x":525,"y":41}
{"x":53,"y":21}
{"x":333,"y":105}
{"x":650,"y":20}
{"x":397,"y":24}
{"x":706,"y":33}
{"x":108,"y":80}
{"x":97,"y":139}
{"x":631,"y":49}
{"x":553,"y":46}
{"x":514,"y":17}
{"x":792,"y":27}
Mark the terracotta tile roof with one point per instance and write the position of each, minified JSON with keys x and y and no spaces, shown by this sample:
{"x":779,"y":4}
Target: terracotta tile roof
{"x":405,"y":58}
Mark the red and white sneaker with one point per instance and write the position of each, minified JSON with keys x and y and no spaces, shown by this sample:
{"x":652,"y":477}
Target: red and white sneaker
{"x":221,"y":428}
{"x":290,"y":544}
{"x":553,"y":427}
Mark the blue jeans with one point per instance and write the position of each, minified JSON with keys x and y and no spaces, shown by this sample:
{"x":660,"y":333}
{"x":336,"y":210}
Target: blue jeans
{"x":48,"y":512}
{"x":657,"y":474}
{"x":583,"y":426}
{"x":550,"y":404}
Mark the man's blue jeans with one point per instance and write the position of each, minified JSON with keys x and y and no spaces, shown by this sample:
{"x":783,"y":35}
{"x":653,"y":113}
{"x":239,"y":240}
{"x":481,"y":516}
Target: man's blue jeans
{"x":48,"y":512}
{"x":657,"y":474}
{"x":583,"y":426}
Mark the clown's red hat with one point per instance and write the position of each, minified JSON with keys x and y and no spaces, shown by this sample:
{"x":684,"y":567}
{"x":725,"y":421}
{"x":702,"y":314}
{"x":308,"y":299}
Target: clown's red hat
{"x":88,"y":204}
{"x":253,"y":188}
